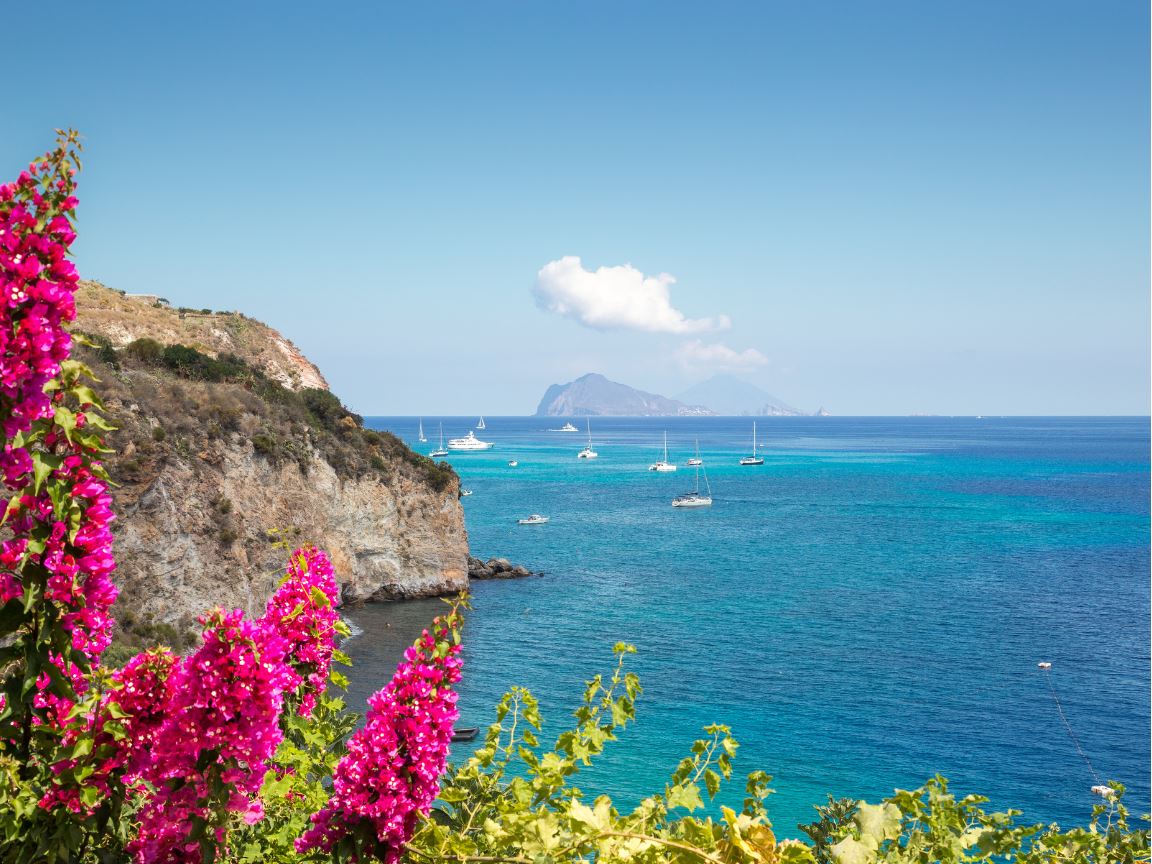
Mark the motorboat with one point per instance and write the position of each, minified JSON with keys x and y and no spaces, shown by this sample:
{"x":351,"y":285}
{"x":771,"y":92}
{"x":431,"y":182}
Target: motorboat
{"x":588,"y":452}
{"x":464,"y":493}
{"x":534,"y":519}
{"x":469,"y":442}
{"x":567,"y":427}
{"x":439,"y":451}
{"x":663,"y":464}
{"x":696,"y":498}
{"x":465,"y":733}
{"x":696,"y":460}
{"x":512,"y":463}
{"x":420,"y":435}
{"x":753,"y":459}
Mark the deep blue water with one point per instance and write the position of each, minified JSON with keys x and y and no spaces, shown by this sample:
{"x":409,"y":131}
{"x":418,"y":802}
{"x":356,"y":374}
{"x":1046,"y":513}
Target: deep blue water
{"x":864,"y":610}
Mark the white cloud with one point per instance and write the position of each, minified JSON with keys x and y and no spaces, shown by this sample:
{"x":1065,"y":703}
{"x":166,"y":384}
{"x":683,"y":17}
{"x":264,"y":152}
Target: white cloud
{"x":718,"y":357}
{"x":615,"y":298}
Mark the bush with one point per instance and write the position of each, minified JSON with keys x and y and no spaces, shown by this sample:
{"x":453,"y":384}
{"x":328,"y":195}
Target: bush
{"x":145,"y":350}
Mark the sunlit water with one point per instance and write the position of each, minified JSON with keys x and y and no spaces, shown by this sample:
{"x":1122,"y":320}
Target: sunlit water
{"x":864,"y":610}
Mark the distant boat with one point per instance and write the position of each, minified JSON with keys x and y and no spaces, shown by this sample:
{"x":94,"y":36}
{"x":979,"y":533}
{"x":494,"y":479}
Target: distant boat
{"x":512,"y":463}
{"x":588,"y":452}
{"x":481,"y":426}
{"x":464,"y":493}
{"x":663,"y":464}
{"x":420,"y":435}
{"x":469,"y":442}
{"x":465,"y":733}
{"x":696,"y":460}
{"x":439,"y":451}
{"x":534,"y":519}
{"x":753,"y":459}
{"x":696,"y":499}
{"x":567,"y":427}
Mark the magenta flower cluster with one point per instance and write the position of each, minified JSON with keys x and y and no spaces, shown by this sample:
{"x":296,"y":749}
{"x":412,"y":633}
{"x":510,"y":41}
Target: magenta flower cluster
{"x":391,"y":772}
{"x":303,"y":612}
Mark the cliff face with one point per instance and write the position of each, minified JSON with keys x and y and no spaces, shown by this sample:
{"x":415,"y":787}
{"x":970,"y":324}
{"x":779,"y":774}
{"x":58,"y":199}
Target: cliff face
{"x":217,"y":477}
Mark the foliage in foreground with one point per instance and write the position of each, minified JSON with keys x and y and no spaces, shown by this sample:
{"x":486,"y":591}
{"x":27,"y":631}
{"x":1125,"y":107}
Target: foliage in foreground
{"x":239,"y":752}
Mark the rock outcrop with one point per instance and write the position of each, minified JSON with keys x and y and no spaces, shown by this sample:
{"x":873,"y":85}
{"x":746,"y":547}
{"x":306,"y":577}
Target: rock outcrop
{"x":228,"y":455}
{"x":497,"y":568}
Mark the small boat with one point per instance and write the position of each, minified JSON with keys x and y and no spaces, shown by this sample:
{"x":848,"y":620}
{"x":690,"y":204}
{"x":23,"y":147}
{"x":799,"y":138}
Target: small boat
{"x":567,"y":427}
{"x":464,"y":493}
{"x":481,"y":426}
{"x":469,"y":442}
{"x":465,"y":733}
{"x":420,"y":435}
{"x":439,"y":451}
{"x":512,"y":463}
{"x":695,"y":498}
{"x":696,"y":460}
{"x":753,"y":459}
{"x":534,"y":519}
{"x":663,"y":464}
{"x":588,"y":452}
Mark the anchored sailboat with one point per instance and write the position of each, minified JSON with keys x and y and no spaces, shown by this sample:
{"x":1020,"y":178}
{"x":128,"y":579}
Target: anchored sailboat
{"x":753,"y":459}
{"x":663,"y":464}
{"x":696,"y":499}
{"x":696,"y":460}
{"x":588,"y":452}
{"x":481,"y":425}
{"x":439,"y":451}
{"x":420,"y":435}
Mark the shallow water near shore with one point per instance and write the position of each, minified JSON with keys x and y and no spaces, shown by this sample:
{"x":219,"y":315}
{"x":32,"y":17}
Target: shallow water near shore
{"x":864,"y":610}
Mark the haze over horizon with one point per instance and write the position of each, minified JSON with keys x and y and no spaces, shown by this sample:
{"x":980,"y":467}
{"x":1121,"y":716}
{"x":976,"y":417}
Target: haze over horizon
{"x":881,"y":209}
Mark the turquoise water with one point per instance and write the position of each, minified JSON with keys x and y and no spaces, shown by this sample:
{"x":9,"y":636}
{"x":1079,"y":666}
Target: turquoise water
{"x":864,"y":610}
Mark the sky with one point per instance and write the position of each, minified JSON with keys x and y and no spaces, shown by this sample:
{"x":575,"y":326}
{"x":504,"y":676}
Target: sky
{"x":875,"y":207}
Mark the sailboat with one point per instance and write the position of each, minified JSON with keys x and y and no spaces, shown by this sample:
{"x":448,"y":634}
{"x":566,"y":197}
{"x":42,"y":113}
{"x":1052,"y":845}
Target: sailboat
{"x":588,"y":452}
{"x":663,"y":464}
{"x":439,"y":451}
{"x":420,"y":435}
{"x":753,"y":459}
{"x":481,"y":424}
{"x":695,"y":499}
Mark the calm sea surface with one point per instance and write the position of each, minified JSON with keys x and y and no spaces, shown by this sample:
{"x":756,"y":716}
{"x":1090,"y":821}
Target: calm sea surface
{"x":864,"y":610}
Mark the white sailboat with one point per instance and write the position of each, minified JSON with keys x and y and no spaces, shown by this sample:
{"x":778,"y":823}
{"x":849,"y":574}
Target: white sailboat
{"x":588,"y":452}
{"x":481,"y":425}
{"x":439,"y":451}
{"x":696,"y":499}
{"x":696,"y":460}
{"x":420,"y":435}
{"x":663,"y":464}
{"x":753,"y":459}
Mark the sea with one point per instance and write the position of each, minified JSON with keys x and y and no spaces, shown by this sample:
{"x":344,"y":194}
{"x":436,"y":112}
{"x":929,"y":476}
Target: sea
{"x":865,"y":610}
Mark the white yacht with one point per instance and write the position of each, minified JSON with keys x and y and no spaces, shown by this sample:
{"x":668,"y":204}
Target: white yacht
{"x":696,"y":498}
{"x":420,"y":435}
{"x":567,"y":427}
{"x":534,"y":519}
{"x":696,"y":460}
{"x":439,"y":451}
{"x":663,"y":464}
{"x":481,"y":425}
{"x":753,"y":459}
{"x":469,"y":442}
{"x":588,"y":452}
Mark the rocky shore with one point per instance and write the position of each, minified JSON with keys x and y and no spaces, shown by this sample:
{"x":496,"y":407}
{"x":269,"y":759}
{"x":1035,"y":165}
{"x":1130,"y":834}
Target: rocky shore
{"x":497,"y":568}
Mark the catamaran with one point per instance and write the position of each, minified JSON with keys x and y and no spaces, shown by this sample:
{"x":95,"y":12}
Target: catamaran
{"x":588,"y":452}
{"x":753,"y":459}
{"x":696,"y":499}
{"x":469,"y":442}
{"x":439,"y":451}
{"x":481,"y":425}
{"x":663,"y":464}
{"x":696,"y":460}
{"x":420,"y":435}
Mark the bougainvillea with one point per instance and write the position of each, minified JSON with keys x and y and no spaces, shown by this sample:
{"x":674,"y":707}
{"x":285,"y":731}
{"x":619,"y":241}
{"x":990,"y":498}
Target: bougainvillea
{"x":303,"y":612}
{"x":390,"y":775}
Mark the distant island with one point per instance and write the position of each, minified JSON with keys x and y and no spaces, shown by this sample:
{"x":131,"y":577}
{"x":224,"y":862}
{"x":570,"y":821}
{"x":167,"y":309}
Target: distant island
{"x":726,"y":395}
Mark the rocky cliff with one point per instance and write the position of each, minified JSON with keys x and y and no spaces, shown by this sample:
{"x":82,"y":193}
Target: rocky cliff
{"x":230,"y":447}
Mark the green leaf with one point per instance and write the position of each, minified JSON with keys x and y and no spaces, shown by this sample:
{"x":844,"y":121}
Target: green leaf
{"x":853,"y":851}
{"x":880,"y":821}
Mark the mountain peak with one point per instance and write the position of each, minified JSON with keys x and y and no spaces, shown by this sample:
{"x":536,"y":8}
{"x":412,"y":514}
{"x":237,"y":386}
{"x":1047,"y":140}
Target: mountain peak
{"x":594,"y":394}
{"x":728,"y":395}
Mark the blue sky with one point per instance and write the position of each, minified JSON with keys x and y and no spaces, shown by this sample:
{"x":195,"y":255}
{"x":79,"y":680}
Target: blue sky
{"x":899,"y":207}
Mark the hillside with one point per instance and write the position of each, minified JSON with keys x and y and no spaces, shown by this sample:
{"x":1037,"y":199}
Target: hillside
{"x":221,"y":458}
{"x":595,"y":395}
{"x":734,"y":397}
